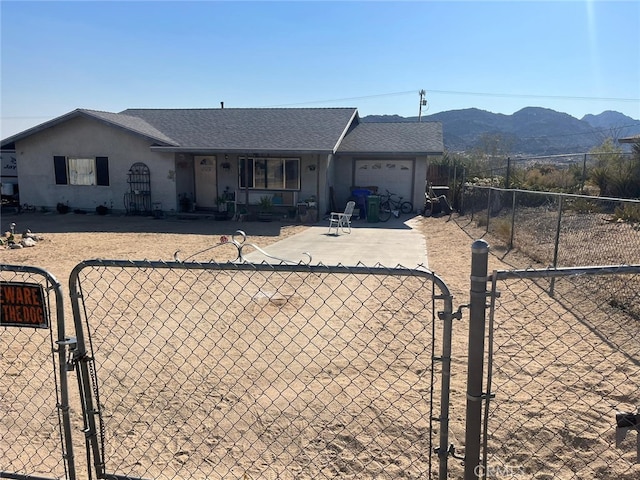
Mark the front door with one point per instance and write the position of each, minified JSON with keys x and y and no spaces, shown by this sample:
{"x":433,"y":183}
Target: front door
{"x":206,"y":185}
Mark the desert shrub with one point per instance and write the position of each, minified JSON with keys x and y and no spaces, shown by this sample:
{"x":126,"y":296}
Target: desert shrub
{"x":502,"y":229}
{"x":614,"y":174}
{"x":627,"y":213}
{"x":530,"y":199}
{"x":585,"y":205}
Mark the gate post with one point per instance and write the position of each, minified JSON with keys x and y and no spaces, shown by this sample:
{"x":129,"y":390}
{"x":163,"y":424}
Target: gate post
{"x":477,"y":316}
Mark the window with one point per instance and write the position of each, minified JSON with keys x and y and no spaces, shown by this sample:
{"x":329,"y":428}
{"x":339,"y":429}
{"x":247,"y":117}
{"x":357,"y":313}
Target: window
{"x":270,"y":173}
{"x":81,"y":170}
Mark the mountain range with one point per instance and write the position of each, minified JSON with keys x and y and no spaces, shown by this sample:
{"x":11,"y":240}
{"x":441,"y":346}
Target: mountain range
{"x":530,"y":131}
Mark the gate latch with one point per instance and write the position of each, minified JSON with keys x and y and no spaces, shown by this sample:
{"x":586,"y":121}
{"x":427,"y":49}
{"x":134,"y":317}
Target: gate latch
{"x":450,"y":451}
{"x":71,"y":343}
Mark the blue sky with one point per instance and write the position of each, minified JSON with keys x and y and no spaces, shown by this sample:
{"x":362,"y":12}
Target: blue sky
{"x":576,"y":57}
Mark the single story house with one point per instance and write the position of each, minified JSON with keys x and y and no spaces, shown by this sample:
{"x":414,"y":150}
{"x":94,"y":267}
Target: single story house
{"x":140,"y":160}
{"x":631,"y":139}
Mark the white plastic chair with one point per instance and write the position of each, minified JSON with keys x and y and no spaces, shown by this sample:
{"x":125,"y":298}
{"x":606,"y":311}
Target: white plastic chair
{"x":342,"y":221}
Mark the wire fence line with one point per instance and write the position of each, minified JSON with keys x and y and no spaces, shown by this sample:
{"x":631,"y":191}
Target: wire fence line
{"x":237,"y":370}
{"x":263,"y":371}
{"x":35,"y":425}
{"x":573,"y":168}
{"x":559,"y":371}
{"x":555,"y":229}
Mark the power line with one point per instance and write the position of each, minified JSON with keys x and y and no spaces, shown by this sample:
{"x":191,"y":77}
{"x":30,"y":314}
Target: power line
{"x":393,"y":94}
{"x":477,"y":94}
{"x":409,"y":92}
{"x":523,"y":95}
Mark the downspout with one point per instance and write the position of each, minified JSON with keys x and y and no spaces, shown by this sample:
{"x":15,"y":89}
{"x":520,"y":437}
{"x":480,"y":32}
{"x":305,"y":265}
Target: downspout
{"x":318,"y":182}
{"x":246,"y":182}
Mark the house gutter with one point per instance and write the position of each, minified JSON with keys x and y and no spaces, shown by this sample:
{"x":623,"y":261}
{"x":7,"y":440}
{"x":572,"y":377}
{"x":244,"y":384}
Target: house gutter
{"x":241,"y":151}
{"x":378,"y":153}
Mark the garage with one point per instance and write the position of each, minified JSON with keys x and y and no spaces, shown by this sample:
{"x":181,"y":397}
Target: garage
{"x":393,"y":175}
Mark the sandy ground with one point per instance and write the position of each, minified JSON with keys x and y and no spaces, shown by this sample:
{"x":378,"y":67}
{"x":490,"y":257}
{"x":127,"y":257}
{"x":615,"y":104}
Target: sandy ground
{"x":534,"y":438}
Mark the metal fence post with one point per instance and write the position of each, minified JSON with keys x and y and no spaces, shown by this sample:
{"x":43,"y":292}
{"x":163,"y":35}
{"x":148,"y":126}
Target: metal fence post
{"x":447,"y":316}
{"x":556,"y":244}
{"x":513,"y":218}
{"x":477,"y":315}
{"x":489,"y":208}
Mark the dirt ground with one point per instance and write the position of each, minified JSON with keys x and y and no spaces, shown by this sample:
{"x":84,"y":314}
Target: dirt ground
{"x":70,"y":239}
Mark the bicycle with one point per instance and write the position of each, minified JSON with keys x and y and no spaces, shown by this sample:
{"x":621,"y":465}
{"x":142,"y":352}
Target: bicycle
{"x":392,"y":206}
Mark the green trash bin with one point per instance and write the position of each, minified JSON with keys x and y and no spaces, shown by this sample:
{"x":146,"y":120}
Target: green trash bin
{"x":373,"y":208}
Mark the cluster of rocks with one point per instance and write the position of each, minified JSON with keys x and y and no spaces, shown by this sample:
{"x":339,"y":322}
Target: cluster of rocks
{"x":28,"y":239}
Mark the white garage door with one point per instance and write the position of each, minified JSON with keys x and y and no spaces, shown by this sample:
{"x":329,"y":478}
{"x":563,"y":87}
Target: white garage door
{"x":393,"y":175}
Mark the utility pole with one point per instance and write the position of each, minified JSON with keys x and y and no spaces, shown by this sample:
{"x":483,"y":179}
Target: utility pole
{"x":423,"y":103}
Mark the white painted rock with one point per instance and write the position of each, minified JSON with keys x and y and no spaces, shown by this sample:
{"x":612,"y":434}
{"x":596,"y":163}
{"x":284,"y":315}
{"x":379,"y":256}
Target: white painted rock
{"x":28,"y":242}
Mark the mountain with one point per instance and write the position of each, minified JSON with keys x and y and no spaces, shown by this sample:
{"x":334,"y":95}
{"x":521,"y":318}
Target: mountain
{"x":530,"y":131}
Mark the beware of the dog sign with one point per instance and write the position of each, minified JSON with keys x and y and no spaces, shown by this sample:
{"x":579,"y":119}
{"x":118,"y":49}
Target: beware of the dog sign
{"x":22,"y":305}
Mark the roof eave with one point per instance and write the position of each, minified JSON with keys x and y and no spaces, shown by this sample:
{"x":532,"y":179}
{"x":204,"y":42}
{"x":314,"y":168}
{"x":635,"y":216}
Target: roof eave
{"x":78,"y":112}
{"x":243,"y":151}
{"x":396,"y":154}
{"x":354,"y":117}
{"x":41,"y":127}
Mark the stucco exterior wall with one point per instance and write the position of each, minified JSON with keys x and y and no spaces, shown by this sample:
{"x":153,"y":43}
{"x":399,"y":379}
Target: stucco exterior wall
{"x":84,"y":137}
{"x":343,"y":180}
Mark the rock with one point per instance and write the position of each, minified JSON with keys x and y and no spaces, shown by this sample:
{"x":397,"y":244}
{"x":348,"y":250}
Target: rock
{"x":28,"y":242}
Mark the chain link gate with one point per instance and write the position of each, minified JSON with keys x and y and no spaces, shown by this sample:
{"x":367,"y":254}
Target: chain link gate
{"x":35,"y":427}
{"x":562,"y":393}
{"x":206,"y":370}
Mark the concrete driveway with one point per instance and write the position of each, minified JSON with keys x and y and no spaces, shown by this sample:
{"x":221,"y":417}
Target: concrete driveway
{"x":390,"y":244}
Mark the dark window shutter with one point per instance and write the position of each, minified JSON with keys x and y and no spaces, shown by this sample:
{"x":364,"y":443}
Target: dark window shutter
{"x":60,"y":167}
{"x":102,"y":171}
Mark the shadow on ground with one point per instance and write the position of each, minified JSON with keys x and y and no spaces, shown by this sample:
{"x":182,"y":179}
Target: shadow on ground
{"x":53,"y":222}
{"x":74,"y":223}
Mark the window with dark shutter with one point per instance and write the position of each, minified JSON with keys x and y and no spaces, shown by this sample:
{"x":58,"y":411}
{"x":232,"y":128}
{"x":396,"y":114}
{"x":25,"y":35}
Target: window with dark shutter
{"x":102,"y":171}
{"x":60,"y":167}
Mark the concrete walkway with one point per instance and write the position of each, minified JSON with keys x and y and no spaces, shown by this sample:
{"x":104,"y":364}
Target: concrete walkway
{"x":389,"y":244}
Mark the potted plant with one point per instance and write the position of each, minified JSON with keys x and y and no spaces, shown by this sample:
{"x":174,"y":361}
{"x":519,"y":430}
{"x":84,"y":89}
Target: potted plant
{"x":221,"y":203}
{"x":220,"y":212}
{"x":265,"y":213}
{"x":102,"y":210}
{"x":62,"y":208}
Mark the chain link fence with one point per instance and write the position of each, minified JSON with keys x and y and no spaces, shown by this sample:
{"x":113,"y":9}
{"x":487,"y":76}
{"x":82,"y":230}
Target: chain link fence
{"x":559,"y":230}
{"x":561,"y":371}
{"x":256,"y":371}
{"x":34,"y":405}
{"x":262,"y":371}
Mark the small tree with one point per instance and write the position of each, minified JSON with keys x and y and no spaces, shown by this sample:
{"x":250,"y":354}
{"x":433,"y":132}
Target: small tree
{"x":615,"y":175}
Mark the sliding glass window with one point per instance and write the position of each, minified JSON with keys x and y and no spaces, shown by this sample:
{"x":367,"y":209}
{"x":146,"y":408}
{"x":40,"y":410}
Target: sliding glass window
{"x":270,"y":173}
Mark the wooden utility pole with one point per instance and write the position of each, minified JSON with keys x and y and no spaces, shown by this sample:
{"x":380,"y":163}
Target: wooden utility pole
{"x":423,"y":103}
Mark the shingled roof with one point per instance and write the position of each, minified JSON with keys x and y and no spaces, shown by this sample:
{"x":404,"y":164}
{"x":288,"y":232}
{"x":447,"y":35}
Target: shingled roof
{"x":251,"y":129}
{"x":417,"y":138}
